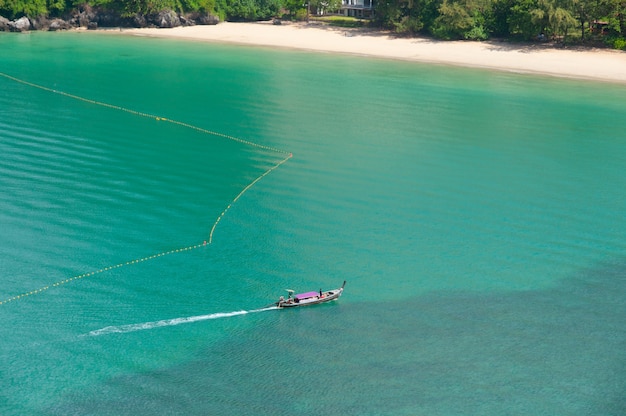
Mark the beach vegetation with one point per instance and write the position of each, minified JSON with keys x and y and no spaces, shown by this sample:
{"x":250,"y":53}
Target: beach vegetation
{"x":617,"y":43}
{"x":18,"y":8}
{"x":300,"y":15}
{"x":618,"y":10}
{"x":561,"y":21}
{"x":198,"y":5}
{"x":144,"y":7}
{"x":409,"y":24}
{"x":341,"y":21}
{"x":476,"y":33}
{"x":239,"y":10}
{"x":453,"y":21}
{"x":248,"y":10}
{"x":322,"y":7}
{"x":388,"y":13}
{"x":462,"y":20}
{"x":569,"y":21}
{"x":56,"y":7}
{"x":526,"y":20}
{"x":293,"y":6}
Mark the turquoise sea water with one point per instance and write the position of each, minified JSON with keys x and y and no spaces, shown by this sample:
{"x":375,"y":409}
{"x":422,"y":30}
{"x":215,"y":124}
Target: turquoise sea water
{"x":477,"y":216}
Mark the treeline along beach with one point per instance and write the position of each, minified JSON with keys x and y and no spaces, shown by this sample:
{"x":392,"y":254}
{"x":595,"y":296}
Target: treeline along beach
{"x":595,"y":22}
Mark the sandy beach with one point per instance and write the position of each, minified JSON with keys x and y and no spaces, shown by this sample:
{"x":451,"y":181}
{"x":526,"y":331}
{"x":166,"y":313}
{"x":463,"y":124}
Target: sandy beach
{"x":597,"y":64}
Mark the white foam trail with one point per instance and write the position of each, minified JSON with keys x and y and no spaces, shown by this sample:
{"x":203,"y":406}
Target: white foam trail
{"x":120,"y":329}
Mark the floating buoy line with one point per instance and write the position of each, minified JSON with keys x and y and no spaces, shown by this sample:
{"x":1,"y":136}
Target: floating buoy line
{"x":286,"y":157}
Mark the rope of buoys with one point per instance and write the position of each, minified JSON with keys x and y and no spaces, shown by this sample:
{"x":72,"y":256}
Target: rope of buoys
{"x":104,"y":269}
{"x":139,"y":113}
{"x":244,"y":191}
{"x":158,"y":118}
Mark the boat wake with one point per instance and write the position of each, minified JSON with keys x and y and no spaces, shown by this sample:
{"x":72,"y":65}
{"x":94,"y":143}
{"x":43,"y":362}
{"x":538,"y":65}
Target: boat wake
{"x":120,"y":329}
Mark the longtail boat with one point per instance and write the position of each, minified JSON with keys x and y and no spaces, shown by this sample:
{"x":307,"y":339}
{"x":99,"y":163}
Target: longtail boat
{"x":309,"y":298}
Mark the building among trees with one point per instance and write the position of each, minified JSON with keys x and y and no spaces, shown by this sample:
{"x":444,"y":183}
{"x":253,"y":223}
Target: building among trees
{"x":357,"y":8}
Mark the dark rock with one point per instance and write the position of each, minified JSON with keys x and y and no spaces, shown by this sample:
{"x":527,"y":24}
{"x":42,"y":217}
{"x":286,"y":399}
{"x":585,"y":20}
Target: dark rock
{"x":139,"y":20}
{"x":85,"y":15}
{"x":94,"y":18}
{"x":20,"y":25}
{"x":59,"y":24}
{"x":165,"y":19}
{"x":207,"y":19}
{"x":111,"y":19}
{"x":83,"y":19}
{"x":39,"y":23}
{"x":4,"y":24}
{"x":185,"y":21}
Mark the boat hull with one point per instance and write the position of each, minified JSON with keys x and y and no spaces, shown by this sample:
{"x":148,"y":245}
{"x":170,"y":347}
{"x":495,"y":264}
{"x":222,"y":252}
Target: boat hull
{"x":328,"y":296}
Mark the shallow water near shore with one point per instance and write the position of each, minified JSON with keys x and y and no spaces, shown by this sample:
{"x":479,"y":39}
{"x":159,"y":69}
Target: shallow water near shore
{"x":478,"y":218}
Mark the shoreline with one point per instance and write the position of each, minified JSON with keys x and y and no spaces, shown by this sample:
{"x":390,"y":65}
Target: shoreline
{"x":587,"y":64}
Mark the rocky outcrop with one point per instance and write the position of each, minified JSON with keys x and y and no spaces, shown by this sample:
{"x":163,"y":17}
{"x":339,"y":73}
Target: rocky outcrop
{"x":95,"y":18}
{"x":43,"y":23}
{"x":39,"y":23}
{"x":139,"y":20}
{"x":207,"y":19}
{"x":82,"y":17}
{"x":4,"y":24}
{"x":20,"y":25}
{"x":59,"y":24}
{"x":165,"y":19}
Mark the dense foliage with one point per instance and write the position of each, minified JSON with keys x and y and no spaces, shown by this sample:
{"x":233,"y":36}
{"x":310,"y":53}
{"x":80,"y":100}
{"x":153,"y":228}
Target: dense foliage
{"x":523,"y":19}
{"x":445,"y":19}
{"x":247,"y":10}
{"x":34,"y":8}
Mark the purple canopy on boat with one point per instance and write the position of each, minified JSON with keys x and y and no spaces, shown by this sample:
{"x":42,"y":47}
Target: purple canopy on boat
{"x":307,"y":295}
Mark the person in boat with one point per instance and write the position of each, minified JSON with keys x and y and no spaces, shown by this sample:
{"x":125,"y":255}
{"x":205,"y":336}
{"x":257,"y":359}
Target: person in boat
{"x":282,"y":300}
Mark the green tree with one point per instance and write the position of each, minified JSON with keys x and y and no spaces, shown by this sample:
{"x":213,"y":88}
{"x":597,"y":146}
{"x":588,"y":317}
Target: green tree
{"x":499,"y":24}
{"x":56,"y":7}
{"x":249,"y":10}
{"x":198,"y":5}
{"x":388,"y":13}
{"x":325,"y":6}
{"x":239,"y":10}
{"x":525,"y":21}
{"x":406,"y":16}
{"x":267,"y":9}
{"x":619,"y":10}
{"x":463,"y":19}
{"x":561,"y":20}
{"x":18,"y":8}
{"x":587,"y":11}
{"x":292,"y":6}
{"x":144,"y":7}
{"x":453,"y":21}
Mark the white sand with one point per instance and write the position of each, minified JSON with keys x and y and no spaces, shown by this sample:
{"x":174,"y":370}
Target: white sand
{"x":598,"y":64}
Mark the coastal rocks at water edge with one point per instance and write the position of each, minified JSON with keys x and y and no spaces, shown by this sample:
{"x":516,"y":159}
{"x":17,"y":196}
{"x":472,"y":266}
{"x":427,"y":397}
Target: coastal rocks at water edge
{"x":4,"y":24}
{"x":42,"y":23}
{"x":166,"y":19}
{"x":20,"y":25}
{"x":92,"y":18}
{"x":205,"y":19}
{"x":59,"y":24}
